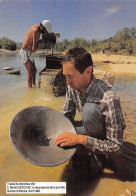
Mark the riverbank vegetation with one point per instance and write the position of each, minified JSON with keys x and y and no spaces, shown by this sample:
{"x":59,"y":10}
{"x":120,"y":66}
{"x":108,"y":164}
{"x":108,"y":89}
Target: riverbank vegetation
{"x":123,"y":43}
{"x":7,"y":44}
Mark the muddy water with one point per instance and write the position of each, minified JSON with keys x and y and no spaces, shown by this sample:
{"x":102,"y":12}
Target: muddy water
{"x":12,"y":166}
{"x":15,"y":96}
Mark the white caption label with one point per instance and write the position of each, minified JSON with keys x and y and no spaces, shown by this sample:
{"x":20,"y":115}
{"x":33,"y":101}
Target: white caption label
{"x":35,"y":187}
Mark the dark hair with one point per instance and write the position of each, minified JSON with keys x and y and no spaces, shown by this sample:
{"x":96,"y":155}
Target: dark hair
{"x":82,"y":58}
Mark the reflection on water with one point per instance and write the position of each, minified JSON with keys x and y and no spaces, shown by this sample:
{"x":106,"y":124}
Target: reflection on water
{"x":125,"y":86}
{"x":13,"y":167}
{"x":14,"y":60}
{"x":15,"y":96}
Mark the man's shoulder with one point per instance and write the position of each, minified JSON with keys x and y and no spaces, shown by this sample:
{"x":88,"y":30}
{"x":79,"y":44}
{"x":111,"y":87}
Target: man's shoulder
{"x":34,"y":28}
{"x":108,"y":91}
{"x":103,"y":83}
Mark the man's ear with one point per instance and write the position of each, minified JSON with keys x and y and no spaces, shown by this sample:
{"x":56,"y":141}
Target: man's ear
{"x":89,"y":70}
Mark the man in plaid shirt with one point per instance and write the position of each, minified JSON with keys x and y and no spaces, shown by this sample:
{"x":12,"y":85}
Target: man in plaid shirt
{"x":99,"y":105}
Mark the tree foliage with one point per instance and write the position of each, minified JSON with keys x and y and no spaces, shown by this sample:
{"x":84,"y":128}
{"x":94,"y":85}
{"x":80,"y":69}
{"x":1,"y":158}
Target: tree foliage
{"x":7,"y":44}
{"x":123,"y":42}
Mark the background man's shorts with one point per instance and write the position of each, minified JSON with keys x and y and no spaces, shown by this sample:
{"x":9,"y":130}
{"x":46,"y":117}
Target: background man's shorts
{"x":27,"y":55}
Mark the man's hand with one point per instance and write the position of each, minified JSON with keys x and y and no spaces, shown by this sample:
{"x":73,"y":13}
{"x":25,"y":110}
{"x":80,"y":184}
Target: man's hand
{"x":70,"y":139}
{"x":58,"y":34}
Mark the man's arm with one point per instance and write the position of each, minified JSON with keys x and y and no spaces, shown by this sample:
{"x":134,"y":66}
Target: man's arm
{"x":35,"y":41}
{"x":114,"y":133}
{"x":114,"y":127}
{"x":58,"y":34}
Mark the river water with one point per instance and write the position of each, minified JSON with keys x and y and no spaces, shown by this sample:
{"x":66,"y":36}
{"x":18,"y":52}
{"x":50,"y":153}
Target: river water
{"x":15,"y":96}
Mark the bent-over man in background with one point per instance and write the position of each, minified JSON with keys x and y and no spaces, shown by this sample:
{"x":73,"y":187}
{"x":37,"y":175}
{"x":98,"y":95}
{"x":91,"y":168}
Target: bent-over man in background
{"x":30,"y":46}
{"x":99,"y":105}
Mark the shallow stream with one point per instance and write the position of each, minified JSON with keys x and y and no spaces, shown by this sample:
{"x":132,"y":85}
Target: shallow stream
{"x":15,"y":96}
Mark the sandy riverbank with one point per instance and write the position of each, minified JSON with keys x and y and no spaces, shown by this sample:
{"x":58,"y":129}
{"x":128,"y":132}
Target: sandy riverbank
{"x":116,"y":63}
{"x":113,"y":63}
{"x":126,"y":65}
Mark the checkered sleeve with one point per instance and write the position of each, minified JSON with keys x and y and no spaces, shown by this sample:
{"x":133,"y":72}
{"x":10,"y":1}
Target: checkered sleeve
{"x":114,"y":126}
{"x":69,"y":108}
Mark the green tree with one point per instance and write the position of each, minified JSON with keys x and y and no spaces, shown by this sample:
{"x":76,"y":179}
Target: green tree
{"x":115,"y":47}
{"x":123,"y":35}
{"x":129,"y":47}
{"x":133,"y":32}
{"x":124,"y":42}
{"x":8,"y":44}
{"x":80,"y":42}
{"x":94,"y":43}
{"x":63,"y":45}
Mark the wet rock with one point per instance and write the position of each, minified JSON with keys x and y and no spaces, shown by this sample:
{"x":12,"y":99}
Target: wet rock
{"x":16,"y":72}
{"x":8,"y":68}
{"x":106,"y":61}
{"x":56,"y":81}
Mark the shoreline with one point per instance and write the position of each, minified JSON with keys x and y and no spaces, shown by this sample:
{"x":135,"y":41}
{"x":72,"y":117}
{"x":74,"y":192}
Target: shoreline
{"x":118,"y":64}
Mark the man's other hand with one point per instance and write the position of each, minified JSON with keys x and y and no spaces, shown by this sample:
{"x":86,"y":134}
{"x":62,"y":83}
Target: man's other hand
{"x":58,"y":34}
{"x":70,"y":139}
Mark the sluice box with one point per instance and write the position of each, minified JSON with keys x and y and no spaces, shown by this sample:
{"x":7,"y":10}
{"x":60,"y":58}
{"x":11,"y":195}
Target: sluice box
{"x":53,"y":62}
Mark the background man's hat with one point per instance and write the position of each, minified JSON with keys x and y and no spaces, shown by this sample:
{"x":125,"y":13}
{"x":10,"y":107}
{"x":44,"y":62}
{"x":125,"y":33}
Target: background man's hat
{"x":32,"y":133}
{"x":47,"y":25}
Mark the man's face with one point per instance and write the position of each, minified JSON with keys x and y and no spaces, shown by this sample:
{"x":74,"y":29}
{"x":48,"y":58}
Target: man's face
{"x":43,"y":30}
{"x":74,"y":78}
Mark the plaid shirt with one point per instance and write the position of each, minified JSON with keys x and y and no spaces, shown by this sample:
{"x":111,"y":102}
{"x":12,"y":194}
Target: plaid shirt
{"x":102,"y":94}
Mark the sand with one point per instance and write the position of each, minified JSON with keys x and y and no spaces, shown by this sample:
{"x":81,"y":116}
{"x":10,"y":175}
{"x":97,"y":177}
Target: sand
{"x":117,"y":64}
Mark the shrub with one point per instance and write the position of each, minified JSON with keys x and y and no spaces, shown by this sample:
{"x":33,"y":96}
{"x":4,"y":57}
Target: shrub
{"x":8,"y":44}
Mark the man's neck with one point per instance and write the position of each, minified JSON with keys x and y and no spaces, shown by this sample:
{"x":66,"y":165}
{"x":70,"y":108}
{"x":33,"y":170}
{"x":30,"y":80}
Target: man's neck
{"x":87,"y":85}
